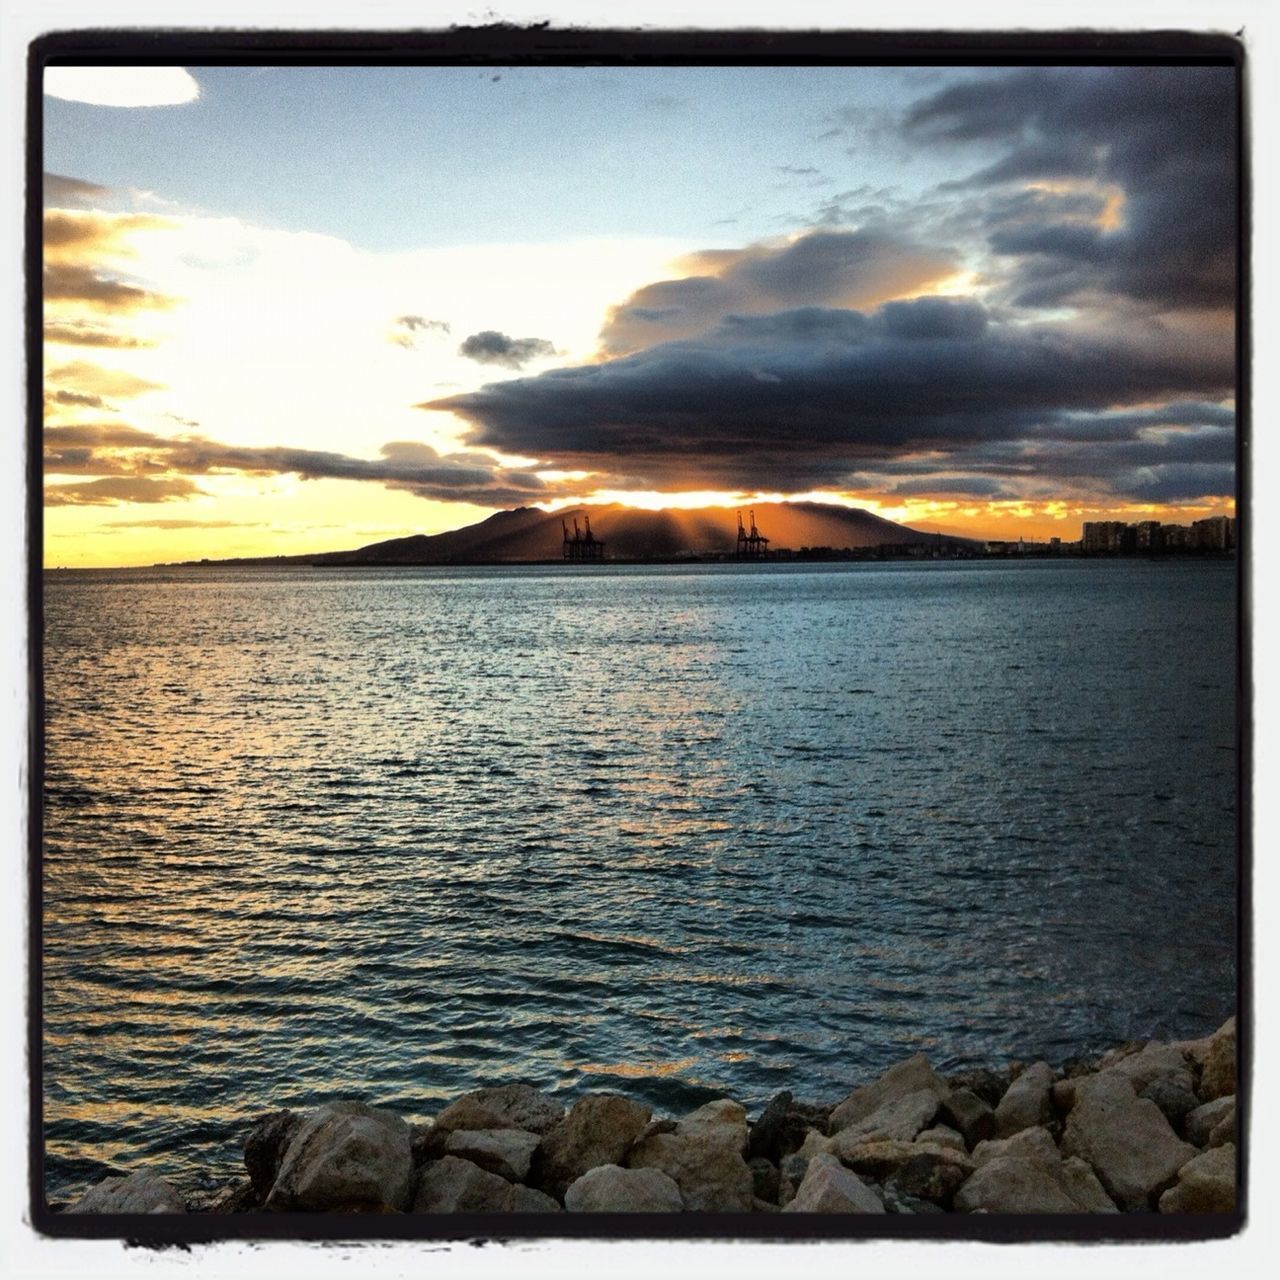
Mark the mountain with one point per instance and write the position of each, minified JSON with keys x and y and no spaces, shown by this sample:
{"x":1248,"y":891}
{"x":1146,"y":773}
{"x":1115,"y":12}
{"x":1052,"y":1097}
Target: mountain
{"x":528,"y":534}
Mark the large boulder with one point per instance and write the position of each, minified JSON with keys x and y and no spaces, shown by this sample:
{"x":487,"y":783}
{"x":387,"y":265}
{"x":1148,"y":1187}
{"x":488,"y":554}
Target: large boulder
{"x":1175,"y":1099}
{"x":140,"y":1192}
{"x":1027,"y":1101}
{"x":454,"y":1185}
{"x":765,"y":1179}
{"x":1125,"y":1139}
{"x":506,"y":1152}
{"x":987,"y":1084}
{"x":942,"y":1135}
{"x":1035,"y":1144}
{"x":1155,"y":1061}
{"x":712,"y":1176}
{"x":918,"y":1170}
{"x":829,"y":1187}
{"x":608,"y":1188}
{"x":791,"y":1173}
{"x":723,"y":1122}
{"x":1080,"y":1182}
{"x":897,"y":1120}
{"x":504,"y":1106}
{"x":265,"y":1146}
{"x":598,"y":1130}
{"x":1218,"y":1078}
{"x":970,"y":1115}
{"x":345,"y":1156}
{"x":1206,"y":1184}
{"x":782,"y":1126}
{"x":1010,"y":1184}
{"x":902,"y":1079}
{"x":1200,"y":1123}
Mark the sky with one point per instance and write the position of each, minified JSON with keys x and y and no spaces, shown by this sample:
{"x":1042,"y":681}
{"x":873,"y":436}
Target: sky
{"x":303,"y":309}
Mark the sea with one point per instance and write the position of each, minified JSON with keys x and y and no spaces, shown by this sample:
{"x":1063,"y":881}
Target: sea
{"x":679,"y":832}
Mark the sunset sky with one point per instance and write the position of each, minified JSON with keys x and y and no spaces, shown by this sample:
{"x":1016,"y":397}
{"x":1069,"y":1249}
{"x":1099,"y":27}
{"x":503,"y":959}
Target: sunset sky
{"x":293,"y":310}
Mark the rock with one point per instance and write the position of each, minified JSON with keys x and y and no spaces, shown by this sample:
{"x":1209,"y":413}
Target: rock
{"x":918,"y":1170}
{"x":505,"y":1106}
{"x":1125,"y":1139}
{"x":265,"y":1146}
{"x":345,"y":1156}
{"x":1175,"y":1099}
{"x":608,"y":1188}
{"x":900,"y":1119}
{"x":1200,"y":1123}
{"x":970,"y":1114}
{"x":598,"y":1130}
{"x":1082,"y":1185}
{"x":1026,"y":1102}
{"x":895,"y":1200}
{"x":931,"y":1176}
{"x":425,"y":1143}
{"x":240,"y":1197}
{"x":1114,"y":1056}
{"x":527,"y":1200}
{"x":942,"y":1135}
{"x":902,"y":1079}
{"x":1010,"y":1184}
{"x":815,"y":1144}
{"x":1062,"y":1095}
{"x":1224,"y":1131}
{"x":506,"y":1152}
{"x":140,"y":1192}
{"x":1206,"y":1184}
{"x":790,"y":1175}
{"x":1035,"y":1144}
{"x":712,"y":1176}
{"x":661,"y":1125}
{"x":829,"y":1187}
{"x":782,"y":1126}
{"x":764,"y":1206}
{"x":765,"y":1179}
{"x":982,"y":1082}
{"x":723,"y":1122}
{"x":1154,"y":1061}
{"x":1218,"y":1078}
{"x":454,"y":1185}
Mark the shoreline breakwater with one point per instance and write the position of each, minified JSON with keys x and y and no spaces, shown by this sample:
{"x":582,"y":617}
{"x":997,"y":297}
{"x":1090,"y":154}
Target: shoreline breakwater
{"x":1147,"y":1127}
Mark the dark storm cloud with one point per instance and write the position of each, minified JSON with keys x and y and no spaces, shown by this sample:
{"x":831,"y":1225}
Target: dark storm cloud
{"x":1161,"y":138}
{"x":820,"y":268}
{"x":802,"y":398}
{"x":491,"y":347}
{"x":108,"y":450}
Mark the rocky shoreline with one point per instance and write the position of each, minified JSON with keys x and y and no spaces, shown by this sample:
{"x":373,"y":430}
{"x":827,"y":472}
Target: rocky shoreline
{"x":1148,"y":1127}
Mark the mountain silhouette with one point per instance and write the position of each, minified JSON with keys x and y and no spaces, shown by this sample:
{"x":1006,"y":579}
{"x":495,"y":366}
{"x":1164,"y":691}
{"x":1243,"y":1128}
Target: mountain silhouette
{"x":629,"y":533}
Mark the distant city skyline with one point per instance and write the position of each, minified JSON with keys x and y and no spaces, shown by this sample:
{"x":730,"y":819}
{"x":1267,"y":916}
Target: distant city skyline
{"x":989,"y":302}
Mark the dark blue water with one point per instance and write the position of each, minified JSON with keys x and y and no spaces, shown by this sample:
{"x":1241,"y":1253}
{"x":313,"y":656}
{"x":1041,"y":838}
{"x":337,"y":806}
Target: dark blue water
{"x":677,"y":831}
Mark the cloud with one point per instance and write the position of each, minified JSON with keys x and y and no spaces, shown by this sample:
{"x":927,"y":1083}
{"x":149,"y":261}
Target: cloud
{"x":805,"y":398}
{"x":185,"y":524}
{"x":404,"y":329}
{"x":82,"y":334}
{"x":1161,"y":140}
{"x":491,"y":347}
{"x":820,"y":268}
{"x":122,"y":86}
{"x":112,"y":450}
{"x":112,"y":491}
{"x":61,"y":190}
{"x":93,"y":380}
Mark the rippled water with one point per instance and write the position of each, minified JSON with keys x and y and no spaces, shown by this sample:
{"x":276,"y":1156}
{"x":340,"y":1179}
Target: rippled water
{"x":680,"y":831}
